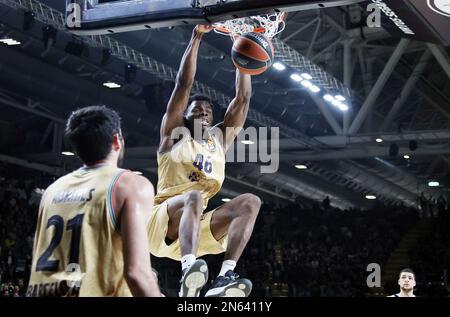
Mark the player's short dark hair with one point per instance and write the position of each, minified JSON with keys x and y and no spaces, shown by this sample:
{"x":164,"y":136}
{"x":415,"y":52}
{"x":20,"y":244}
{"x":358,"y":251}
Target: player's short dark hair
{"x":407,"y":270}
{"x":90,"y":131}
{"x":200,"y":97}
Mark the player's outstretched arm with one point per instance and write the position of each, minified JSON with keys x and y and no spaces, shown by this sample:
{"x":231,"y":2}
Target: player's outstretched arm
{"x":178,"y":102}
{"x":238,"y":109}
{"x":135,"y":196}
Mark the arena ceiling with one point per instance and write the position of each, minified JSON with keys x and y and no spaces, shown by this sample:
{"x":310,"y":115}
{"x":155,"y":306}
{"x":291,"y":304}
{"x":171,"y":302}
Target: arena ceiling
{"x":40,"y":83}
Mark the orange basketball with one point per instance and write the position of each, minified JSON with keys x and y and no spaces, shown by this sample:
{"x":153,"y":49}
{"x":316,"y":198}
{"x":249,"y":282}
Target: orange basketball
{"x":252,"y":53}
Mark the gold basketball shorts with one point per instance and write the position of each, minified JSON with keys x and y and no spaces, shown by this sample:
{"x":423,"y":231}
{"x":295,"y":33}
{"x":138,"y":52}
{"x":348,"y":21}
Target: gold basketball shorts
{"x":157,"y":231}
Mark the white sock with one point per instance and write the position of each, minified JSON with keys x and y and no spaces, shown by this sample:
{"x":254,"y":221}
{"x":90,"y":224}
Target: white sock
{"x":226,"y":266}
{"x":186,"y":261}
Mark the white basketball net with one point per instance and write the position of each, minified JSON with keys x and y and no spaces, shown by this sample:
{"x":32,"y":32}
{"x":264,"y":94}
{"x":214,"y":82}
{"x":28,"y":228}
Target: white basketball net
{"x":269,"y":25}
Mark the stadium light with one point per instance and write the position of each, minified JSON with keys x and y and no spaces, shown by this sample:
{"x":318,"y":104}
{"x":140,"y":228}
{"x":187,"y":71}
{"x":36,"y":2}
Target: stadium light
{"x":343,"y":107}
{"x":296,"y":77}
{"x":336,"y":103}
{"x":279,"y":66}
{"x":10,"y":42}
{"x":315,"y":89}
{"x":111,"y":85}
{"x":307,"y":76}
{"x":307,"y":84}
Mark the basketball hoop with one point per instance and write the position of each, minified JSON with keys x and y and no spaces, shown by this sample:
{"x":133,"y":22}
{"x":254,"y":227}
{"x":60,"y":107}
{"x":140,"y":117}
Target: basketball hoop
{"x":269,"y":25}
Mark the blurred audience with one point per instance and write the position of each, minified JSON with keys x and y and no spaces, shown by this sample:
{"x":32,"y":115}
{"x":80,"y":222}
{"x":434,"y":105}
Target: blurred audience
{"x":19,"y":204}
{"x":311,"y":253}
{"x":431,"y":258}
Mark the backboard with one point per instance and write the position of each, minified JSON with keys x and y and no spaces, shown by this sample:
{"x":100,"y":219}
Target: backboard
{"x":91,"y":17}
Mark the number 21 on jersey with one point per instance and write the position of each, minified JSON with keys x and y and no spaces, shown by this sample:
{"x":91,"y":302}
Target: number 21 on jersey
{"x":74,"y":225}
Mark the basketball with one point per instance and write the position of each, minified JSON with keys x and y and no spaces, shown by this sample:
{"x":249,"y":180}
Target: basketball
{"x":252,"y":53}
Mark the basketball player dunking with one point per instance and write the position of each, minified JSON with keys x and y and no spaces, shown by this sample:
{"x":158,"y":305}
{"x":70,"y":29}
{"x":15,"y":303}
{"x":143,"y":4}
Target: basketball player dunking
{"x":191,"y":170}
{"x":91,"y":231}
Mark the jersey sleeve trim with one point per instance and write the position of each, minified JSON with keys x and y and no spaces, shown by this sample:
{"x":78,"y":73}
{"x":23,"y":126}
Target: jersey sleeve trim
{"x":109,"y":200}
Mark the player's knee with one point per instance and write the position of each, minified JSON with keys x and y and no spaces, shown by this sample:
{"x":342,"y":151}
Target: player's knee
{"x":193,"y":196}
{"x":194,"y":199}
{"x":252,"y":202}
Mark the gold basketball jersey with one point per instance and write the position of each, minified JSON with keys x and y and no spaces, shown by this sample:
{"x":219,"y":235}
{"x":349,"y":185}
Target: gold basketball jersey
{"x":191,"y":165}
{"x":78,"y":248}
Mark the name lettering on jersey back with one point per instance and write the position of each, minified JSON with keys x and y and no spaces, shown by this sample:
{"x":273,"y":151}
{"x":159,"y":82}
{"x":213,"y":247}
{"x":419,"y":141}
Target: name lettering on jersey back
{"x":64,"y":288}
{"x":73,"y":196}
{"x":62,"y":284}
